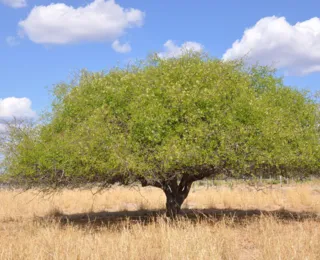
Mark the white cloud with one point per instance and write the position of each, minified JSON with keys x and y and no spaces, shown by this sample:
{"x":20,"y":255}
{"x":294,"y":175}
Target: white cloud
{"x":273,"y":41}
{"x":62,"y":24}
{"x":14,"y":3}
{"x":12,"y":107}
{"x":16,"y":107}
{"x":122,"y":48}
{"x":172,"y":50}
{"x":12,"y":41}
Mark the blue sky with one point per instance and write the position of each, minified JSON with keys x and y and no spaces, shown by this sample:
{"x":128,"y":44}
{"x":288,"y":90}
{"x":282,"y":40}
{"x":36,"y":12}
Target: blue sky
{"x":43,"y":42}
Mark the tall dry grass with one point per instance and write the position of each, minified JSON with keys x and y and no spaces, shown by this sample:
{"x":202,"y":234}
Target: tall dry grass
{"x":302,"y":197}
{"x":24,"y":236}
{"x":263,"y":238}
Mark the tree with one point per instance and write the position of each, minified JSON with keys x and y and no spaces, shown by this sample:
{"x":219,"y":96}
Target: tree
{"x":168,"y":123}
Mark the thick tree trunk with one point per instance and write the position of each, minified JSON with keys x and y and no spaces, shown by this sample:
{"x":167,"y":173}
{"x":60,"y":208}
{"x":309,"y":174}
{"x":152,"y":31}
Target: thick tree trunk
{"x":173,"y":204}
{"x":177,"y":190}
{"x":175,"y":194}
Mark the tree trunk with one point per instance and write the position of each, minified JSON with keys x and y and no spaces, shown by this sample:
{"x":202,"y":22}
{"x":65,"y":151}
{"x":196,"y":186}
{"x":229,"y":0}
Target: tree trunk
{"x":173,"y":204}
{"x":177,"y":190}
{"x":175,"y":194}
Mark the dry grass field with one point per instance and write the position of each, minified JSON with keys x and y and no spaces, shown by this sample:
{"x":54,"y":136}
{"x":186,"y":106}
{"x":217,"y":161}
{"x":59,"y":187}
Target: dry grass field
{"x":232,"y":222}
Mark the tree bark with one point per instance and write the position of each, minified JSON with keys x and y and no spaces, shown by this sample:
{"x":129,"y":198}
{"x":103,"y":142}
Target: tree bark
{"x":175,"y":195}
{"x":173,"y":204}
{"x":177,"y":191}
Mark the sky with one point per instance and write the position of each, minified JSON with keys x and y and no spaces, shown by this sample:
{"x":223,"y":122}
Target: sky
{"x":43,"y":43}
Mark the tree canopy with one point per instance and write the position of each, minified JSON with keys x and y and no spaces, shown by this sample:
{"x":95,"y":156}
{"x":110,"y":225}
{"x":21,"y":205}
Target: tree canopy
{"x":167,"y":123}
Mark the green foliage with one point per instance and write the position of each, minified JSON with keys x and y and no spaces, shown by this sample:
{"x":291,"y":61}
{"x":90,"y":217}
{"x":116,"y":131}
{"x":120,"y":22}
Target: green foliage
{"x":164,"y":118}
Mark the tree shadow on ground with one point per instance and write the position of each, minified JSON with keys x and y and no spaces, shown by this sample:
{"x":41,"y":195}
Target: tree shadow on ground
{"x":104,"y":218}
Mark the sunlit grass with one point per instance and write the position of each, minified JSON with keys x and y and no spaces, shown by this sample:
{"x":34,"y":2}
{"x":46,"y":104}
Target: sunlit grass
{"x":23,"y":235}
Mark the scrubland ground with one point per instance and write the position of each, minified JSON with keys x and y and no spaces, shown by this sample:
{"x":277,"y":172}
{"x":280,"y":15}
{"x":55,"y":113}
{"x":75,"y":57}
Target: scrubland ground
{"x":63,"y":225}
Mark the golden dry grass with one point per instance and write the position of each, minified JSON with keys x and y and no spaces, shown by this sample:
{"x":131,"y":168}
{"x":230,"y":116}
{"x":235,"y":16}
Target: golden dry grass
{"x":24,"y":236}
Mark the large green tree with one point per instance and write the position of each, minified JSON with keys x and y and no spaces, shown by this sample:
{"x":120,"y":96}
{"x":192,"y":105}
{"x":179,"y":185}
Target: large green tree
{"x":167,"y":123}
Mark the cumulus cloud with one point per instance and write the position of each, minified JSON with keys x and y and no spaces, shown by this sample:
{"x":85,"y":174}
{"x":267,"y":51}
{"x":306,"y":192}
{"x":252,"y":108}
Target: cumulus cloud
{"x":12,"y":107}
{"x":122,"y":48}
{"x":172,"y":50}
{"x":100,"y":20}
{"x":15,"y":3}
{"x":273,"y":41}
{"x":16,"y":107}
{"x":12,"y":41}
